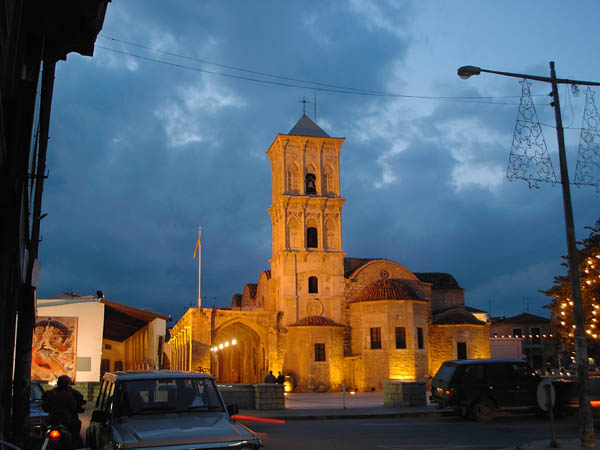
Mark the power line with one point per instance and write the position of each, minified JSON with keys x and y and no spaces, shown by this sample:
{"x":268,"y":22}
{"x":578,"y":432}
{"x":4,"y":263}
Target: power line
{"x":254,"y":72}
{"x":340,"y":90}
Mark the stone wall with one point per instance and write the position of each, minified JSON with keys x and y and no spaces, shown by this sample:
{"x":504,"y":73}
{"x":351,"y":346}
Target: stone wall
{"x":240,"y":394}
{"x":402,"y":393}
{"x":254,"y":396}
{"x":443,"y":339}
{"x":89,"y":389}
{"x":389,"y":362}
{"x":311,"y":375}
{"x":269,"y":396}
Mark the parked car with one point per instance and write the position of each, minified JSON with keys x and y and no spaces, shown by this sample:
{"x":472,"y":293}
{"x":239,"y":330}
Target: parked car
{"x":163,"y":409}
{"x":479,"y":387}
{"x":37,"y":416}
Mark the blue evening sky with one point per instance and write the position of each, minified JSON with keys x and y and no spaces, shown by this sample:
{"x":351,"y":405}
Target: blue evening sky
{"x":142,"y":153}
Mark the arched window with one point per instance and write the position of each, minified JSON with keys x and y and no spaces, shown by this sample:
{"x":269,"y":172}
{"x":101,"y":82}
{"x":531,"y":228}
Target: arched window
{"x":313,"y":285}
{"x":312,"y":239}
{"x":311,"y":183}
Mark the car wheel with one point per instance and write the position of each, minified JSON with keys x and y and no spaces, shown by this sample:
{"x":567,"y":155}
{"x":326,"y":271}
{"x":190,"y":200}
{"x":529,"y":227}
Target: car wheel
{"x":483,"y":411}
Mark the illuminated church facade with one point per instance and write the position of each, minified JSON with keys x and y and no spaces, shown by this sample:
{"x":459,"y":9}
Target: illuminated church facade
{"x":317,"y":316}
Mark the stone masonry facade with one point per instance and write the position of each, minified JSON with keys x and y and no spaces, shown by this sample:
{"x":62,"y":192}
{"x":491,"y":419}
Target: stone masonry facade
{"x":319,"y":318}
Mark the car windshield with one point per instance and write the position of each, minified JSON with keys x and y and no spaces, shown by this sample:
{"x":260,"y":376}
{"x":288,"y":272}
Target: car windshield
{"x":444,"y":374}
{"x":167,"y":395}
{"x":36,"y":392}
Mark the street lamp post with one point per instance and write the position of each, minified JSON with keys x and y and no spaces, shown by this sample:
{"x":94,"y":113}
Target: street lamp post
{"x":585,"y":410}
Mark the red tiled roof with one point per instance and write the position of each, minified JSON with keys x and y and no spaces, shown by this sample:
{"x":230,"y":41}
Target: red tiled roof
{"x":457,"y":316}
{"x":387,"y":289}
{"x":315,"y":321}
{"x":267,"y":274}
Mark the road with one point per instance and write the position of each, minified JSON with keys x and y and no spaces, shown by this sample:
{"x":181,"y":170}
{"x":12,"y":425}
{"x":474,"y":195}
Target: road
{"x":435,"y":433}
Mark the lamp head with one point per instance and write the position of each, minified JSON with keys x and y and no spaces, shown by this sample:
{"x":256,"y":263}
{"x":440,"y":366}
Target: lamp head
{"x":467,"y":71}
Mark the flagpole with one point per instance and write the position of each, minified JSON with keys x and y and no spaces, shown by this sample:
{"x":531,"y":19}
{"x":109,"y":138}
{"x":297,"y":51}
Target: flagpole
{"x":199,"y":267}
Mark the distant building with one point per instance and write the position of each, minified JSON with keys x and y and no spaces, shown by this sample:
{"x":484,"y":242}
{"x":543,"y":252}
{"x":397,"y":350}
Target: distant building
{"x":319,"y":317}
{"x":539,"y":345}
{"x":85,"y":336}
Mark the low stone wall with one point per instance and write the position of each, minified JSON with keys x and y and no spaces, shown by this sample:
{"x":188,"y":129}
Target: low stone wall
{"x":89,"y":390}
{"x":241,"y":394}
{"x":254,"y":396}
{"x":269,"y":396}
{"x":403,"y":393}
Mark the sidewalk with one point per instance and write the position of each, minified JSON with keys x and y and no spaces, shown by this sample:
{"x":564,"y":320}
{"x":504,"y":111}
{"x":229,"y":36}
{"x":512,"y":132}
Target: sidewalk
{"x":332,"y":405}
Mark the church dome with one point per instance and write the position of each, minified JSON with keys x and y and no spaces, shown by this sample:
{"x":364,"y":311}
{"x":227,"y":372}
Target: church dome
{"x":387,"y":289}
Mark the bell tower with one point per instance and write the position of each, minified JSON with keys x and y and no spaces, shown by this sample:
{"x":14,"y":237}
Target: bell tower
{"x":307,"y":265}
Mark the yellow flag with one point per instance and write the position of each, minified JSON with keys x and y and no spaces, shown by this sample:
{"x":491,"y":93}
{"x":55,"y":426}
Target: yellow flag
{"x":197,"y":247}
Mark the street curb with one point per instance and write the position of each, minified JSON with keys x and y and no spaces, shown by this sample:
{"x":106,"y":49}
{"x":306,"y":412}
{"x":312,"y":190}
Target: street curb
{"x":341,"y":416}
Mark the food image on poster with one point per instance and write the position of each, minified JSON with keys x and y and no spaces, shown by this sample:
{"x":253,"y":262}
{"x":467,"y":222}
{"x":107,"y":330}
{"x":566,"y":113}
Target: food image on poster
{"x":54,"y":349}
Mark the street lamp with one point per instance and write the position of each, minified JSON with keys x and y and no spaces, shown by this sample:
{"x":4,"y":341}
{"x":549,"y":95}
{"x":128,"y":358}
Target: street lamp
{"x":586,"y":419}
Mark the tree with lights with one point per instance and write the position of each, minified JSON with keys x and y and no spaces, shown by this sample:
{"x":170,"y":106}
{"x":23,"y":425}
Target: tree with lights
{"x":562,"y":304}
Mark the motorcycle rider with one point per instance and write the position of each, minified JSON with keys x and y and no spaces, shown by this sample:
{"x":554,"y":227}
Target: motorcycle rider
{"x":63,"y":405}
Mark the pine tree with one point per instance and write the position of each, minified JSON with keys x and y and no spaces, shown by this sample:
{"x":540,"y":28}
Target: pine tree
{"x":562,"y":304}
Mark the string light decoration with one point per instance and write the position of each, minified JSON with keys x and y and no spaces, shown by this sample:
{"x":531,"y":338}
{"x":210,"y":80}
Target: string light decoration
{"x":588,"y":158}
{"x":529,"y":159}
{"x":562,"y":305}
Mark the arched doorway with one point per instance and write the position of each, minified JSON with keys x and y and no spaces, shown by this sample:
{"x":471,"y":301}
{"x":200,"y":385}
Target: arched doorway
{"x":238,"y":360}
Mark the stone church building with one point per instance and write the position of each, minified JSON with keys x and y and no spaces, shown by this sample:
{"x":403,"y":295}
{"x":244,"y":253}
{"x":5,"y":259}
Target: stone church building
{"x":320,"y":317}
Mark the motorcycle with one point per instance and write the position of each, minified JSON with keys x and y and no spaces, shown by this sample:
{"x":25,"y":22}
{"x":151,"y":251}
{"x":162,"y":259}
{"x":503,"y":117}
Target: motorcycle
{"x":58,"y":437}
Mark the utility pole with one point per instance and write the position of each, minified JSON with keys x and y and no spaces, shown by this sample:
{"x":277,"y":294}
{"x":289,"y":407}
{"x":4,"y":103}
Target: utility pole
{"x":586,"y":423}
{"x":581,"y":354}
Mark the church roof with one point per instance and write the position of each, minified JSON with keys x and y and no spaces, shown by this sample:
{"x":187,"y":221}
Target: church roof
{"x":439,"y":280}
{"x":315,"y":321}
{"x":387,"y":289}
{"x":351,"y":264}
{"x":456,"y":316}
{"x":306,"y":127}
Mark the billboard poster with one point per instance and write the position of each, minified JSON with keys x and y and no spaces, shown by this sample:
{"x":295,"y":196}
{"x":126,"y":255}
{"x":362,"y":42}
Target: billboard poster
{"x":54,"y":348}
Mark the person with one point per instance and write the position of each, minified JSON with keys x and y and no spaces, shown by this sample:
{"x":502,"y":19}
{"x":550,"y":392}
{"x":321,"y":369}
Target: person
{"x":63,"y":405}
{"x":270,"y":378}
{"x":280,"y":378}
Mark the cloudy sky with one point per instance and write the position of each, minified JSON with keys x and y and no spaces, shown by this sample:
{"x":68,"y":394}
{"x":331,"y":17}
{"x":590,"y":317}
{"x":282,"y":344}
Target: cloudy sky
{"x":143,"y":152}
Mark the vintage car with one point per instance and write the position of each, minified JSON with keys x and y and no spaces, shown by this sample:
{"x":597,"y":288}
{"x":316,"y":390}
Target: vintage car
{"x":37,"y":416}
{"x":164,"y":409}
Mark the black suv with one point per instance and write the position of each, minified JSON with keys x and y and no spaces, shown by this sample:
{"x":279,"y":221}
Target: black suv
{"x":477,"y":387}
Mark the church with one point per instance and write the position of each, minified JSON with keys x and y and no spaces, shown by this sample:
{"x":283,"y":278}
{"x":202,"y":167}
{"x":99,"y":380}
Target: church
{"x":321,"y":318}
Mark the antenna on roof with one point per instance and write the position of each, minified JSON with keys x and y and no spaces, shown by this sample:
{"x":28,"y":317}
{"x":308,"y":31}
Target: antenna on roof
{"x":315,"y":105}
{"x":304,"y":103}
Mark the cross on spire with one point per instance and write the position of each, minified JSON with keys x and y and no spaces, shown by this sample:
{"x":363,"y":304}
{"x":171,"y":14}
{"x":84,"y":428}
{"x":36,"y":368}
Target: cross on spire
{"x":304,"y":103}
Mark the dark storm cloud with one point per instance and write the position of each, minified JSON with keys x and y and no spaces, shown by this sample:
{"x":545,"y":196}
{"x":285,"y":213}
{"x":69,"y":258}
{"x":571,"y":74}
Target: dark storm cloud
{"x":142,"y":154}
